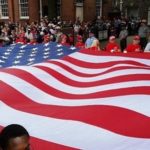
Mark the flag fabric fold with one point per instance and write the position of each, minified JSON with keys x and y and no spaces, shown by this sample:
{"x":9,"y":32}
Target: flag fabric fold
{"x":85,"y":100}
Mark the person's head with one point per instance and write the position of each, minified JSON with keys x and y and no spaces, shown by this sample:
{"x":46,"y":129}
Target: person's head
{"x":64,"y":38}
{"x":91,"y":33}
{"x":14,"y":137}
{"x":112,"y":39}
{"x":136,"y":40}
{"x":79,"y":38}
{"x":143,"y":22}
{"x":29,"y":30}
{"x":47,"y":38}
{"x":58,"y":29}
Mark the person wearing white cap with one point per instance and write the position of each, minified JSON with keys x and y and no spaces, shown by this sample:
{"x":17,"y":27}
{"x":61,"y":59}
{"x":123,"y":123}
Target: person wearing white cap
{"x":58,"y":34}
{"x":112,"y":45}
{"x":135,"y":46}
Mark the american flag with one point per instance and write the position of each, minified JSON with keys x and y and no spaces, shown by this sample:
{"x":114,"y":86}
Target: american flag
{"x":87,"y":100}
{"x":18,"y":54}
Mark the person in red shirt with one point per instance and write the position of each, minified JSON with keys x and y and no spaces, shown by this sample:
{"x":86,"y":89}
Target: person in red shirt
{"x":71,"y":39}
{"x":65,"y":40}
{"x":46,"y":38}
{"x":79,"y":43}
{"x":33,"y":41}
{"x":112,"y":45}
{"x":134,"y":46}
{"x":21,"y":37}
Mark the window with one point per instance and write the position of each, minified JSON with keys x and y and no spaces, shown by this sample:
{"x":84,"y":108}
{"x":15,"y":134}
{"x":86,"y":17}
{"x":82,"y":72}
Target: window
{"x":24,"y":11}
{"x":58,"y":7}
{"x":98,"y":7}
{"x":4,"y":9}
{"x":115,"y":3}
{"x":79,"y":1}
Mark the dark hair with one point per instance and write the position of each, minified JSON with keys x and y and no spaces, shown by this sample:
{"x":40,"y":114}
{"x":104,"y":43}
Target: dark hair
{"x":11,"y":131}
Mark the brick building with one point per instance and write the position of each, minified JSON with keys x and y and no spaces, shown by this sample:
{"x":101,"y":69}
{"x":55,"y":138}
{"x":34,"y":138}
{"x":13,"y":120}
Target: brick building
{"x":19,"y":10}
{"x":22,"y":10}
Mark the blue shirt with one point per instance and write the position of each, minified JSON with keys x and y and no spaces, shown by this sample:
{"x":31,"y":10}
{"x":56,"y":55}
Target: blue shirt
{"x":89,"y":42}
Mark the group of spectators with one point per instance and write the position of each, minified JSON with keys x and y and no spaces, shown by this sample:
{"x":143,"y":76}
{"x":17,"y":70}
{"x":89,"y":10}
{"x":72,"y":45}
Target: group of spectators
{"x":121,"y":31}
{"x":84,"y":35}
{"x":140,"y":39}
{"x":44,"y":31}
{"x":81,"y":34}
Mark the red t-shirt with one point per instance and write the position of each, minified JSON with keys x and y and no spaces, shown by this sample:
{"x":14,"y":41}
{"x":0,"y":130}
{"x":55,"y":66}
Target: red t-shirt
{"x":65,"y":44}
{"x":33,"y":42}
{"x":71,"y":39}
{"x":112,"y":47}
{"x":80,"y":45}
{"x":134,"y":48}
{"x":21,"y":38}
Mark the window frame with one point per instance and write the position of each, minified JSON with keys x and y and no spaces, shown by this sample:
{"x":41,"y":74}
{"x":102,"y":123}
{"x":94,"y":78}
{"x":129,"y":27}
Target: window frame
{"x":58,"y":7}
{"x":1,"y":14}
{"x":99,"y":8}
{"x":20,"y":11}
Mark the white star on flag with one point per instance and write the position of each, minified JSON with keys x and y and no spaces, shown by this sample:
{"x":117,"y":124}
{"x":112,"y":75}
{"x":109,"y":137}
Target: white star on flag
{"x":16,"y":62}
{"x":20,"y":54}
{"x":31,"y":59}
{"x":9,"y":50}
{"x":59,"y":45}
{"x":2,"y":61}
{"x":73,"y":48}
{"x":46,"y":49}
{"x":6,"y":53}
{"x":46,"y":53}
{"x":4,"y":57}
{"x":18,"y":57}
{"x":21,"y":50}
{"x":35,"y":49}
{"x":59,"y":54}
{"x":46,"y":44}
{"x":23,"y":46}
{"x":59,"y":50}
{"x":45,"y":57}
{"x":32,"y":54}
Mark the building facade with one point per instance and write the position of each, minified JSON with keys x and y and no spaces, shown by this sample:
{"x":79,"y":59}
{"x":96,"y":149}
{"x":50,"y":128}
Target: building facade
{"x":32,"y":10}
{"x":132,"y":8}
{"x":19,"y":10}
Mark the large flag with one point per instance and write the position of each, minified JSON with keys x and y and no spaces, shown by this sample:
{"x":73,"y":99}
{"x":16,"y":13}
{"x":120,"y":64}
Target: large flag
{"x":18,"y":54}
{"x":88,"y":100}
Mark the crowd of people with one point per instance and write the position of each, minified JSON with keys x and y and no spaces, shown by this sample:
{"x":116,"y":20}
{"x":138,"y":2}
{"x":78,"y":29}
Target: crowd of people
{"x":81,"y":34}
{"x":121,"y":31}
{"x":84,"y":35}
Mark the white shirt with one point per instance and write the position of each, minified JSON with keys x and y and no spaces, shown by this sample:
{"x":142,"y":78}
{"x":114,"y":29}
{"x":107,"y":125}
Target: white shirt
{"x":147,"y":49}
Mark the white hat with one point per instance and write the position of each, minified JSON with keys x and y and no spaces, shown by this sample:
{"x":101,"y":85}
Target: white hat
{"x":112,"y":37}
{"x":57,"y":27}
